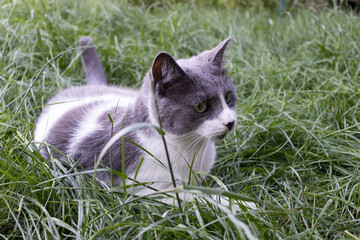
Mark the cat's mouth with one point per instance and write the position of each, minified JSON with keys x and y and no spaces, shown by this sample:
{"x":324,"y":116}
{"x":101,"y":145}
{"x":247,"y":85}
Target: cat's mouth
{"x":221,"y":137}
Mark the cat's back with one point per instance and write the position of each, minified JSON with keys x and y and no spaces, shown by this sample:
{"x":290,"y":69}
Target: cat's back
{"x":83,"y":103}
{"x":95,"y":93}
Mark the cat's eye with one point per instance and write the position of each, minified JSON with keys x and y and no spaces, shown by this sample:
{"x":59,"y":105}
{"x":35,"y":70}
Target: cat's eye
{"x":228,"y":97}
{"x":201,"y":107}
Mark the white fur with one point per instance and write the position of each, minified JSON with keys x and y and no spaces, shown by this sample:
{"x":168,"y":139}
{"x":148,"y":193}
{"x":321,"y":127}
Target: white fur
{"x":159,"y":177}
{"x":89,"y":124}
{"x":58,"y":107}
{"x":181,"y":154}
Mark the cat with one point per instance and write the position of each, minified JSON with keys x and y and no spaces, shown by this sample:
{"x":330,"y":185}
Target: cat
{"x":196,"y":103}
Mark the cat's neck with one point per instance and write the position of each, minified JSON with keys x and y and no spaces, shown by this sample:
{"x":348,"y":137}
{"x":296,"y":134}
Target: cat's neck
{"x":138,"y":112}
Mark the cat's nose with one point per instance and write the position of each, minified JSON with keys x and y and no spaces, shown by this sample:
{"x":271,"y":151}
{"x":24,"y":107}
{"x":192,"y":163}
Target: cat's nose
{"x":229,"y":125}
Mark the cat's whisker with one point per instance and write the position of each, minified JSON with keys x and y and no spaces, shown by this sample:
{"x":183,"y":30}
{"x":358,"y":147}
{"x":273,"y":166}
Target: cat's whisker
{"x":202,"y":146}
{"x":203,"y":152}
{"x":192,"y":145}
{"x":186,"y":136}
{"x":183,"y":138}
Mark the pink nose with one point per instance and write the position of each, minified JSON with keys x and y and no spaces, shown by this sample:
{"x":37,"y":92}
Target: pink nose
{"x":229,"y":125}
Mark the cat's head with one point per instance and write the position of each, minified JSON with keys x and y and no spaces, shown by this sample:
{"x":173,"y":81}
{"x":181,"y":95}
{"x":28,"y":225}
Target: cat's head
{"x":194,"y":95}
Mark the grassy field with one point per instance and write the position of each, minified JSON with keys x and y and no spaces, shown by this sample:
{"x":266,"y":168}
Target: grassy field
{"x":296,"y":148}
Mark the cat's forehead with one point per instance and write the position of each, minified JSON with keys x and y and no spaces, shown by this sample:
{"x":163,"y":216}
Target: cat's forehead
{"x":205,"y":75}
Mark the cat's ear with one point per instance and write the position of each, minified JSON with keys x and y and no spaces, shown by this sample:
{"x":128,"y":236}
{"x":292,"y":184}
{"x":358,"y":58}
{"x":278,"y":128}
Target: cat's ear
{"x":216,"y":55}
{"x":166,"y":72}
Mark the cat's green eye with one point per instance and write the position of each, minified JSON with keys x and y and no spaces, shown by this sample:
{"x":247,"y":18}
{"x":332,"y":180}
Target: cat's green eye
{"x":201,"y":107}
{"x":228,"y":97}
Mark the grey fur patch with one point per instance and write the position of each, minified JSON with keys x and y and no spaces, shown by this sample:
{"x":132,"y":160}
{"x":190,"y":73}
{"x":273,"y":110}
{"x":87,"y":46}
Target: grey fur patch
{"x":60,"y":135}
{"x":89,"y":148}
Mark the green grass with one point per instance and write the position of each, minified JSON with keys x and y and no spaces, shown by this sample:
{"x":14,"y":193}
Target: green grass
{"x":296,"y":145}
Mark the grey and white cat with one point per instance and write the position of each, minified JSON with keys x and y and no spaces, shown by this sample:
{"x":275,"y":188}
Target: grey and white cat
{"x":196,"y":103}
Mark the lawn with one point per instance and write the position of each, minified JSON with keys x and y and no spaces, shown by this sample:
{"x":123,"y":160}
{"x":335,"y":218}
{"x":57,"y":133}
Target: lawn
{"x":295,"y":150}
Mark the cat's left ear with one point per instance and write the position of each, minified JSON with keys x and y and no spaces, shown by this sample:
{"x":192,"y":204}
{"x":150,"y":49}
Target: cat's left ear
{"x":216,"y":55}
{"x":166,"y":73}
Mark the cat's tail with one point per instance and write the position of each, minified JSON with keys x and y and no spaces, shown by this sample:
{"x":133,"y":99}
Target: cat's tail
{"x":94,"y":71}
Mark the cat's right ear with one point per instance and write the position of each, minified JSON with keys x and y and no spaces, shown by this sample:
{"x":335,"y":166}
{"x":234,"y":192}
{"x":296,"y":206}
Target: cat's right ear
{"x":216,"y":55}
{"x":165,"y":72}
